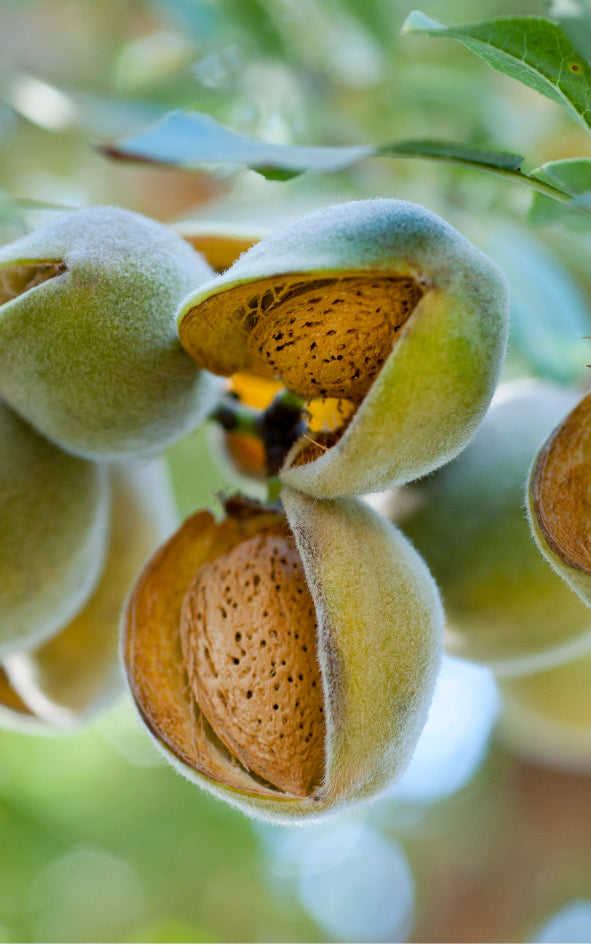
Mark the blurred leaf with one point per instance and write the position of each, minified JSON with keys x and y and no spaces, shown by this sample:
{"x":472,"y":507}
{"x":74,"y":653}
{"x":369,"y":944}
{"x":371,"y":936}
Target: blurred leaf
{"x":575,"y":18}
{"x":533,"y":50}
{"x":197,"y":19}
{"x":191,"y":138}
{"x":544,"y":210}
{"x":59,"y":109}
{"x":549,"y":314}
{"x":208,"y":22}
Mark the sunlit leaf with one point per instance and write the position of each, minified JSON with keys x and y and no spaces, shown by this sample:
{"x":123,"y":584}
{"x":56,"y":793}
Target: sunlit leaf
{"x":533,"y":50}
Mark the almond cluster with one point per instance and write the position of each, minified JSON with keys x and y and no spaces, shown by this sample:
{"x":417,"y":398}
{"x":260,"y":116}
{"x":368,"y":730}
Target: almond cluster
{"x":282,"y":656}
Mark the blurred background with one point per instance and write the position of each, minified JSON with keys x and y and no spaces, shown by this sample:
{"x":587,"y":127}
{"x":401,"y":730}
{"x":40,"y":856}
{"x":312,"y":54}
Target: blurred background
{"x":484,"y":839}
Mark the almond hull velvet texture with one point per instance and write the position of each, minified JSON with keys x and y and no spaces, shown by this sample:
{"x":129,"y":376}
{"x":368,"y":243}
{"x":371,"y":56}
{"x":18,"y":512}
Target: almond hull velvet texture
{"x":54,"y":510}
{"x":73,"y":675}
{"x":378,"y":638}
{"x":89,"y":353}
{"x":434,"y":378}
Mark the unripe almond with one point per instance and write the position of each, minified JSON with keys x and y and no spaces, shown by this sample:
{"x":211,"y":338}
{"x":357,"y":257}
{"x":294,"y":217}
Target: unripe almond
{"x":504,"y":605}
{"x":379,"y":304}
{"x":54,"y":510}
{"x":88,"y":348}
{"x":310,"y":640}
{"x":77,"y":672}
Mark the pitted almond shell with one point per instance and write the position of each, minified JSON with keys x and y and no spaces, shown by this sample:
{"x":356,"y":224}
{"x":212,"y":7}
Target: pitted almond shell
{"x":378,"y":642}
{"x":379,"y":303}
{"x":89,"y":353}
{"x":77,"y":672}
{"x":248,"y":636}
{"x":559,"y":499}
{"x":505,"y":607}
{"x":54,"y":510}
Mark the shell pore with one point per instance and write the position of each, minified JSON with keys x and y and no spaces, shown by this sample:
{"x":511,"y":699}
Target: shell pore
{"x":16,"y":280}
{"x":248,"y":636}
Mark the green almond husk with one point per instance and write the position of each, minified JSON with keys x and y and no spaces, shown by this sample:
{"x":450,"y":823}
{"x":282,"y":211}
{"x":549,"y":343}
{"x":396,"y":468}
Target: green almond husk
{"x":89,"y":353}
{"x":55,"y":515}
{"x":71,"y":677}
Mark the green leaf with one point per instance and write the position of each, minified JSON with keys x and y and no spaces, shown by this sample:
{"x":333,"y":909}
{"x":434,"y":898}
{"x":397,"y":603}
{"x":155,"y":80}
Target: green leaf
{"x":533,"y":50}
{"x":453,"y":153}
{"x":191,"y":139}
{"x":572,"y":175}
{"x":574,"y":16}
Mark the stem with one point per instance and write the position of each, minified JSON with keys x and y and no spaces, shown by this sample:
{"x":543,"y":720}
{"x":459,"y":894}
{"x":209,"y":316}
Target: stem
{"x":233,"y":415}
{"x":508,"y":174}
{"x":274,"y":487}
{"x":277,"y":427}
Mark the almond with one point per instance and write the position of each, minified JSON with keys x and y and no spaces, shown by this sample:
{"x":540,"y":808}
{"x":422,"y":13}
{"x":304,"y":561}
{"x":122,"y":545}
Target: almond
{"x":89,"y":354}
{"x":75,"y":673}
{"x":285,"y":660}
{"x":54,"y":510}
{"x":248,"y":633}
{"x":379,"y":304}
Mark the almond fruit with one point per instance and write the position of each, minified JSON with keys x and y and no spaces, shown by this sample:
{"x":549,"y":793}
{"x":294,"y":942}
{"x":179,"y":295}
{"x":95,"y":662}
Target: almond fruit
{"x":89,"y":353}
{"x":285,"y":660}
{"x":73,"y":675}
{"x":54,"y":510}
{"x":379,"y":304}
